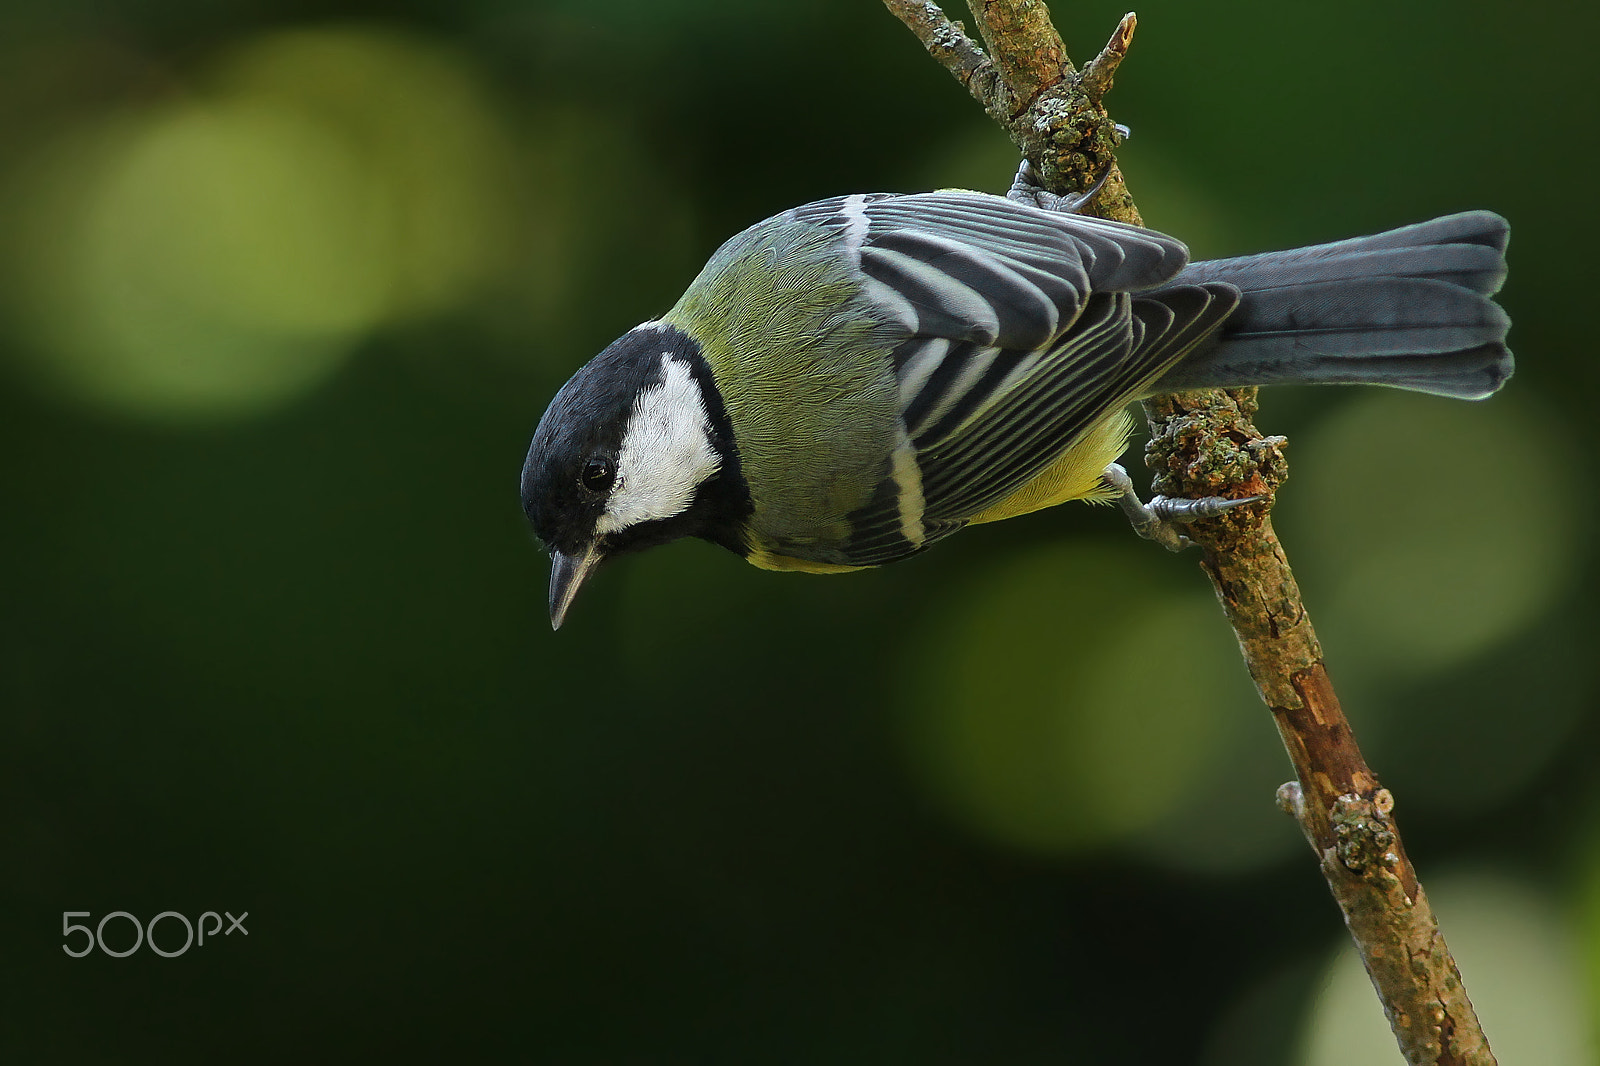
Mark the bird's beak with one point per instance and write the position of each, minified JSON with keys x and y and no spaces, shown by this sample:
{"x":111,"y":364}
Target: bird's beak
{"x":567,"y":575}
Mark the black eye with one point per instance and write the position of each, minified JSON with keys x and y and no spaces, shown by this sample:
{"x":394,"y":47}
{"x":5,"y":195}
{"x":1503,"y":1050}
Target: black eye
{"x":598,"y":474}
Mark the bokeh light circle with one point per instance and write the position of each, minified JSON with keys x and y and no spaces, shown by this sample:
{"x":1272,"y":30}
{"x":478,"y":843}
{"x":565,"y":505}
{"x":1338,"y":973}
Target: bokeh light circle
{"x":225,"y":249}
{"x":1444,"y":525}
{"x":1067,"y":700}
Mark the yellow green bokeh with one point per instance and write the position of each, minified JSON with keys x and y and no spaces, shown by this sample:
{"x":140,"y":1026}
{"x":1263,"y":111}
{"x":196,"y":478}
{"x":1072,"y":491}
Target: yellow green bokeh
{"x":1586,"y":922}
{"x":1437,"y":528}
{"x":221,"y":251}
{"x":425,"y":129}
{"x":1065,"y":700}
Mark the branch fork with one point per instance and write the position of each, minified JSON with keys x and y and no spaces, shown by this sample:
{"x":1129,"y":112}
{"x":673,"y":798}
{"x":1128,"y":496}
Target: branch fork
{"x":1028,"y":85}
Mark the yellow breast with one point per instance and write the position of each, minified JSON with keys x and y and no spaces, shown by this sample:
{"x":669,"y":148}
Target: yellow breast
{"x":1074,"y":475}
{"x":772,"y":561}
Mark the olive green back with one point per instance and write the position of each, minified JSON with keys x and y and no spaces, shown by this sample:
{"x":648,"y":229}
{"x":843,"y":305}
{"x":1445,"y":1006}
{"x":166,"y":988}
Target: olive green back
{"x":804,"y":371}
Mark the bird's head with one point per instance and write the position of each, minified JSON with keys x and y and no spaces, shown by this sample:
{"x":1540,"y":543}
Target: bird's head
{"x":634,"y":451}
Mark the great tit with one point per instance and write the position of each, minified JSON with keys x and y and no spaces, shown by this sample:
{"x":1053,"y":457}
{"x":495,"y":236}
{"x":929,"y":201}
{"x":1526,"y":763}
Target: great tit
{"x":851,"y":381}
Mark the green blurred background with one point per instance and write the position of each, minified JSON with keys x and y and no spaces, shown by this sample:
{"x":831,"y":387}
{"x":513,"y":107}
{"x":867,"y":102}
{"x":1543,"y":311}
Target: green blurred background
{"x":286,"y":286}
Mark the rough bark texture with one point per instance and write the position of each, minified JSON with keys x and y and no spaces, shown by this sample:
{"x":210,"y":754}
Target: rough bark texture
{"x":1204,"y":444}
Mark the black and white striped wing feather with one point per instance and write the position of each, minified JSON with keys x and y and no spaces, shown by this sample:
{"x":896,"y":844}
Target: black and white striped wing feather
{"x":1021,"y":331}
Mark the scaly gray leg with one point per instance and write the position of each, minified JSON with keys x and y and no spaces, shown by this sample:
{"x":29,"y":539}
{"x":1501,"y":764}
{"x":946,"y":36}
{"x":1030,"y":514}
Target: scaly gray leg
{"x":1159,"y":519}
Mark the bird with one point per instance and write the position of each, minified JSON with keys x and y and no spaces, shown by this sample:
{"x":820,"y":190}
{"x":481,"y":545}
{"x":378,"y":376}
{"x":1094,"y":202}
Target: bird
{"x":849,"y":382}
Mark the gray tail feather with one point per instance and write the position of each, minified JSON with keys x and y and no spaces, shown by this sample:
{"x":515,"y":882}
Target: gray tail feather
{"x":1410,"y":308}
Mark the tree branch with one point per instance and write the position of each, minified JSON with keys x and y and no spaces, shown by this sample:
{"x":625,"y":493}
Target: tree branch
{"x":948,"y":43}
{"x":1205,"y":444}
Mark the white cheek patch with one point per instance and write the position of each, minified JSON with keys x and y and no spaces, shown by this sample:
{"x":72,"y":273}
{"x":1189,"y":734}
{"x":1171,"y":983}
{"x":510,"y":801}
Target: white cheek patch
{"x":666,"y":452}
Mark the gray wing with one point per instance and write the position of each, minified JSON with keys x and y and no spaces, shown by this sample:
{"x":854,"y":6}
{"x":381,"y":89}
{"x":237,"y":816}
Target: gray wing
{"x":1021,"y":329}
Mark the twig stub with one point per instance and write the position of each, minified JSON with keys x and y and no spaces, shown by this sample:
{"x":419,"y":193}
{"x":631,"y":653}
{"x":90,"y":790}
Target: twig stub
{"x":1097,"y":76}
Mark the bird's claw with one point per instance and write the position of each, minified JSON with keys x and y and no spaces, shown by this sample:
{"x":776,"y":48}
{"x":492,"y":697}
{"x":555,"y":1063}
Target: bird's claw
{"x":1025,"y":187}
{"x":1159,"y":519}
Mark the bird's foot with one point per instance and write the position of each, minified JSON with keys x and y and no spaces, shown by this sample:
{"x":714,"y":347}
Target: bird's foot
{"x":1025,"y":187}
{"x":1159,"y":519}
